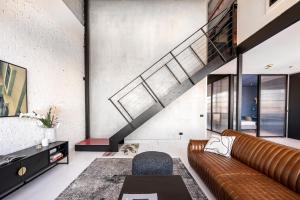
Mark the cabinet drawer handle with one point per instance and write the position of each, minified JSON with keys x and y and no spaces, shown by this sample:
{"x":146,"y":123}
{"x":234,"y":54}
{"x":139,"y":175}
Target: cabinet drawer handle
{"x":22,"y":171}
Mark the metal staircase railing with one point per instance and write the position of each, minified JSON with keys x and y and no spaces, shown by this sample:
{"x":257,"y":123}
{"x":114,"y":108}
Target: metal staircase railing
{"x":177,"y":70}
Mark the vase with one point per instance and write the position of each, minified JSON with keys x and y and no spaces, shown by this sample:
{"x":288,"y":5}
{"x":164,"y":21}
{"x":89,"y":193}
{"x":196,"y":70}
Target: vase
{"x":50,"y":134}
{"x":45,"y":142}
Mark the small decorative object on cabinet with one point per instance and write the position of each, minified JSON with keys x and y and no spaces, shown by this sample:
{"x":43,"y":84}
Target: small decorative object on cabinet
{"x":45,"y":142}
{"x":25,"y":165}
{"x":50,"y":134}
{"x":48,"y":123}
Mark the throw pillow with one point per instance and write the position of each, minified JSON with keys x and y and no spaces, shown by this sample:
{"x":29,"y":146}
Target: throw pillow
{"x":221,"y":145}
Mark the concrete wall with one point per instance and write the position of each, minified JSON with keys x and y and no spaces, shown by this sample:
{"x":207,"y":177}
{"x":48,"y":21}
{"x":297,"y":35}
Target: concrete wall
{"x":47,"y":39}
{"x":182,"y":115}
{"x":127,"y":37}
{"x":255,"y":14}
{"x":77,"y":7}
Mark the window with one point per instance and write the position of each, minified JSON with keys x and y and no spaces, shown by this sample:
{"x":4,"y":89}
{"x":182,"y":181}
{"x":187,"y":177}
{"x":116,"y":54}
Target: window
{"x":273,"y":105}
{"x":220,"y":99}
{"x":209,"y":107}
{"x":218,"y":104}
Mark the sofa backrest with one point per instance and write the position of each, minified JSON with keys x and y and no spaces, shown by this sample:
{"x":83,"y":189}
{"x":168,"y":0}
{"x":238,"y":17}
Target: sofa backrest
{"x":279,"y":162}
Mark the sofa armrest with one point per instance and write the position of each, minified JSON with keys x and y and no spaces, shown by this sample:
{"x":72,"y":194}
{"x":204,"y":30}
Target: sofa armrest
{"x":196,"y":145}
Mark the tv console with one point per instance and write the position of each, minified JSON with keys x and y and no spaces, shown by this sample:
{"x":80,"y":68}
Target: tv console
{"x":34,"y":163}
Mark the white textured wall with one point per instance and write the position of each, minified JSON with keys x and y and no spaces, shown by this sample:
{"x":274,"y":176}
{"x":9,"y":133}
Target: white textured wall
{"x":47,"y":39}
{"x":253,"y":15}
{"x":128,"y":36}
{"x":182,"y":115}
{"x":77,"y":7}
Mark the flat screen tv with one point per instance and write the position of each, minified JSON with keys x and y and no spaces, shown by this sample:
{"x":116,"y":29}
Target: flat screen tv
{"x":13,"y":90}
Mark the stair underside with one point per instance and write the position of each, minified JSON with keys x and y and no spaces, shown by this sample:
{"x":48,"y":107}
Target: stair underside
{"x":112,"y":144}
{"x":170,"y":97}
{"x":219,"y":49}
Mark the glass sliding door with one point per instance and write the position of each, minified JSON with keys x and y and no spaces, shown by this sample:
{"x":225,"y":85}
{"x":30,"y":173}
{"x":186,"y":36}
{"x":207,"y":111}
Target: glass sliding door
{"x":273,"y":92}
{"x":209,"y":107}
{"x":249,"y":102}
{"x":220,"y":105}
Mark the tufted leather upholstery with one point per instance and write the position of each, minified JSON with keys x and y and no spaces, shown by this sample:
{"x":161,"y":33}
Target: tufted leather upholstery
{"x":258,"y":169}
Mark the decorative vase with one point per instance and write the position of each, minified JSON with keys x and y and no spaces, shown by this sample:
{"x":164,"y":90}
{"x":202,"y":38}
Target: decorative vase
{"x":45,"y":142}
{"x":50,"y":134}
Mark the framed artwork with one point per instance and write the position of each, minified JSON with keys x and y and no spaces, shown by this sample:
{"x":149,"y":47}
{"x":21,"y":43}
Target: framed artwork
{"x":13,"y":90}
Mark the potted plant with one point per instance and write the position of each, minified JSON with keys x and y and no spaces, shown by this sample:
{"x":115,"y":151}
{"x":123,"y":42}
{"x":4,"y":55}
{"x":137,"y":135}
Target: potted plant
{"x":48,"y":122}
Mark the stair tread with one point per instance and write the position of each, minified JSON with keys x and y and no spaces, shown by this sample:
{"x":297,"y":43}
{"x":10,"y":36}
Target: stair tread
{"x":94,"y":141}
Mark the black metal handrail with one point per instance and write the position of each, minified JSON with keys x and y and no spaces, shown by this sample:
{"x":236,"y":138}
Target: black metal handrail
{"x":143,"y":80}
{"x":224,"y":11}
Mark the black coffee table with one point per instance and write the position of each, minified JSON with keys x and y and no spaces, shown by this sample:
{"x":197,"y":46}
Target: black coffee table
{"x":166,"y":187}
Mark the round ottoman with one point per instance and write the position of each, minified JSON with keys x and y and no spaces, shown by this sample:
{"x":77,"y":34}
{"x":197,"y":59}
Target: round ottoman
{"x":152,"y":163}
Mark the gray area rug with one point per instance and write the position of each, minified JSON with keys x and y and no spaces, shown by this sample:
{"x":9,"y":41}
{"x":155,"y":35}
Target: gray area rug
{"x":104,"y":177}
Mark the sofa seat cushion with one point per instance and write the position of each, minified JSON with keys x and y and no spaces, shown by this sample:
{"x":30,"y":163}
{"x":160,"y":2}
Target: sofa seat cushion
{"x":210,"y":167}
{"x":252,"y":187}
{"x":279,"y":162}
{"x":230,"y":179}
{"x":216,"y":165}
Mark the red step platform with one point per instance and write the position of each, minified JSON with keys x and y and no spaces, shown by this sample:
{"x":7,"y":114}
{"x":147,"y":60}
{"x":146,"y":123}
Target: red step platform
{"x":93,"y":144}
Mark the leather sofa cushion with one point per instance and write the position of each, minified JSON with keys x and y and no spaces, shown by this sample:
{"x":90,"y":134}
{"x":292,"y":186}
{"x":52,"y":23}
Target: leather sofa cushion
{"x":276,"y":161}
{"x":254,"y":187}
{"x":216,"y":165}
{"x":230,"y":179}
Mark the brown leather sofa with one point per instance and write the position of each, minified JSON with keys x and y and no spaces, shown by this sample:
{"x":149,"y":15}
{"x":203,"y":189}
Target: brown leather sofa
{"x":258,"y":169}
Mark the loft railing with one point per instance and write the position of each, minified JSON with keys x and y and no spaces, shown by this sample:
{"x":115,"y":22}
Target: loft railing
{"x":214,"y":40}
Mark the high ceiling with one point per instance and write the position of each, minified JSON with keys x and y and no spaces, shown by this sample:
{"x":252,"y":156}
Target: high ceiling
{"x":282,"y":51}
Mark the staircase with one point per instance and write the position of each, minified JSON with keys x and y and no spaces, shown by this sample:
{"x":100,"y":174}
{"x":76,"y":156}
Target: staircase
{"x":206,"y":50}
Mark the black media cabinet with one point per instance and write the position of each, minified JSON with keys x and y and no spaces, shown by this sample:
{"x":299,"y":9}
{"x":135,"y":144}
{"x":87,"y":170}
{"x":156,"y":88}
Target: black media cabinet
{"x":35,"y":162}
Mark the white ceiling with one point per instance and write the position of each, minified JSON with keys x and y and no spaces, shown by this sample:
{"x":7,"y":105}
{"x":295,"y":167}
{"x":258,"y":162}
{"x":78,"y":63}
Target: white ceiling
{"x":282,"y":50}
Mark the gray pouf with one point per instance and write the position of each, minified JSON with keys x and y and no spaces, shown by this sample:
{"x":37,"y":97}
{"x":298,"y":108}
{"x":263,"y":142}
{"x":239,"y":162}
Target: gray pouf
{"x":152,"y":163}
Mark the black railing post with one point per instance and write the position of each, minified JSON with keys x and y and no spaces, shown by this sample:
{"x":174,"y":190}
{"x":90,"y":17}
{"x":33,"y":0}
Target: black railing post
{"x":152,"y":91}
{"x":198,"y":57}
{"x":182,"y":68}
{"x":119,"y":110}
{"x":149,"y":92}
{"x":209,"y":40}
{"x":125,"y":109}
{"x":172,"y":73}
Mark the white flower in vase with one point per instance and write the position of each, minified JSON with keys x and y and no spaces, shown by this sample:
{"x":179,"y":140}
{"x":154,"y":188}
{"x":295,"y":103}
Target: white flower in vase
{"x":49,"y":123}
